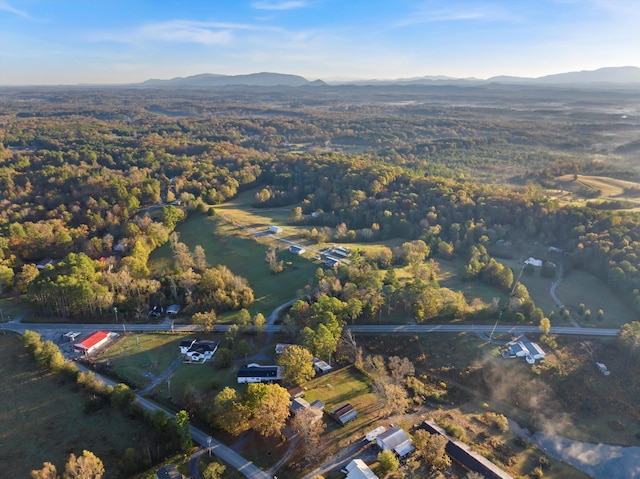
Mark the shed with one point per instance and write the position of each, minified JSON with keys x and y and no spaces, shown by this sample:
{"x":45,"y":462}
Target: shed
{"x":173,"y":310}
{"x":275,"y":229}
{"x":92,"y":342}
{"x":396,"y":440}
{"x":321,"y":367}
{"x":295,"y":249}
{"x":343,"y":414}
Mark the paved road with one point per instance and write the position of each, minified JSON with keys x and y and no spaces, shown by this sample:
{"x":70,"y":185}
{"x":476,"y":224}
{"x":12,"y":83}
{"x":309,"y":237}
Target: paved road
{"x":358,"y":328}
{"x":235,"y":460}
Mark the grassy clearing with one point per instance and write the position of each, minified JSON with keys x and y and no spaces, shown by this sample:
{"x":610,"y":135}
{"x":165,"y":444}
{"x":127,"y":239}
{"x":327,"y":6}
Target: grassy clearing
{"x":136,"y":358}
{"x":12,"y":308}
{"x":578,"y":287}
{"x":537,"y":285}
{"x":449,"y":277}
{"x":608,"y":188}
{"x":42,"y":418}
{"x":227,"y":244}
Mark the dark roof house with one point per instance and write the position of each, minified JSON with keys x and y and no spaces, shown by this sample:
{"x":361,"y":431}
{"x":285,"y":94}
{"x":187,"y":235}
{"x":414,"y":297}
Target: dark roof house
{"x":255,"y":373}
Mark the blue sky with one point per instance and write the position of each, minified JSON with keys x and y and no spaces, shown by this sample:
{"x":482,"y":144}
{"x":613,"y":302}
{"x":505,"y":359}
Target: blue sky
{"x":120,"y":41}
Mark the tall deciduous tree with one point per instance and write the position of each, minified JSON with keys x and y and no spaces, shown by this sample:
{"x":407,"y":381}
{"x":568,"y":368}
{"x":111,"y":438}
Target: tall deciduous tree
{"x":182,"y":425}
{"x":86,"y":466}
{"x":309,"y":427}
{"x":228,"y":413}
{"x":207,"y":320}
{"x":272,"y":411}
{"x":388,"y":461}
{"x":298,"y":365}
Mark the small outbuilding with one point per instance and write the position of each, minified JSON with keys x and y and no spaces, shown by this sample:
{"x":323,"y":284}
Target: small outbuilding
{"x":295,"y":249}
{"x":321,"y":367}
{"x":173,"y":310}
{"x":343,"y":414}
{"x":274,"y":229}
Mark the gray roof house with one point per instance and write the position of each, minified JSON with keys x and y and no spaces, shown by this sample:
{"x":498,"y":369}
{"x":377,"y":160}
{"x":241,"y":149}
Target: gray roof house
{"x":396,"y":440}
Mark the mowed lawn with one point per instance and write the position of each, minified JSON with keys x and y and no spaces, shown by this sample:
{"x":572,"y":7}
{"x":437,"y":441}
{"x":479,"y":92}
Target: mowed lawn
{"x":137,"y":358}
{"x":344,"y":386}
{"x":42,"y":418}
{"x":229,"y":245}
{"x":581,"y":287}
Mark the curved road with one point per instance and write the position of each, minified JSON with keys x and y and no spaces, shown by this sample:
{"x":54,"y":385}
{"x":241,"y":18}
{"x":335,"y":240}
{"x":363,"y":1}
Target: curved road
{"x":557,"y":300}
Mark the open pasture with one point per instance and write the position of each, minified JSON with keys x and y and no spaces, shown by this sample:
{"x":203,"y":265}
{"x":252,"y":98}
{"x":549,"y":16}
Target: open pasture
{"x":43,"y":418}
{"x":578,"y":287}
{"x":137,"y":358}
{"x":602,"y":187}
{"x":231,"y":246}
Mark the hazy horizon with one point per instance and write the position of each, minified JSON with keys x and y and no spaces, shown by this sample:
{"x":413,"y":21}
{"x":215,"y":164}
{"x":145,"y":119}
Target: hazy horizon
{"x":110,"y":42}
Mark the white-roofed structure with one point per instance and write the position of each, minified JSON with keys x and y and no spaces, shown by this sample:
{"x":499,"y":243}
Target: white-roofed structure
{"x":396,"y":440}
{"x":357,"y":469}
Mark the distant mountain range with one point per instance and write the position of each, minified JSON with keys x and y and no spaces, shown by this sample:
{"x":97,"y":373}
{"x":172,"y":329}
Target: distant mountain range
{"x":610,"y":76}
{"x":253,"y":79}
{"x":603,"y":76}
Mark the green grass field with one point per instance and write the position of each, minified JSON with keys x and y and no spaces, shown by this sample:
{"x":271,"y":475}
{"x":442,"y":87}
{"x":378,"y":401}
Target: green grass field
{"x":42,"y":418}
{"x":12,"y":308}
{"x":581,"y":287}
{"x":229,"y":245}
{"x":135,"y":358}
{"x":346,"y":385}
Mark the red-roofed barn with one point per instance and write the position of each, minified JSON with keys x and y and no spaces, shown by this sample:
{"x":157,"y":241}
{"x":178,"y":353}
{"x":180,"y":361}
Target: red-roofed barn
{"x":92,"y":342}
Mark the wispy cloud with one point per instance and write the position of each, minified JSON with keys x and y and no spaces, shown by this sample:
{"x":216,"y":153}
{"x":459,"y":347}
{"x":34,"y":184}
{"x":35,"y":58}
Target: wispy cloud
{"x":279,"y":5}
{"x":427,"y":13}
{"x":177,"y":31}
{"x":187,"y":32}
{"x":5,"y":7}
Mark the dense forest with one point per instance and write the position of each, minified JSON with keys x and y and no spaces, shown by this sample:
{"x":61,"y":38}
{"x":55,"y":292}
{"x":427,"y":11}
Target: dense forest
{"x":94,"y":180}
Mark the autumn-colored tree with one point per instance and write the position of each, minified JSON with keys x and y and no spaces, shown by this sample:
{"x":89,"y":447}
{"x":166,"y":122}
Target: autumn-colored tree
{"x":309,"y":427}
{"x":431,"y":448}
{"x":48,"y":471}
{"x":272,"y":411}
{"x":207,"y":320}
{"x":86,"y":466}
{"x":400,"y":368}
{"x":298,"y":365}
{"x":214,"y":470}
